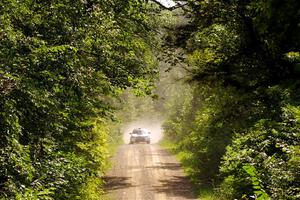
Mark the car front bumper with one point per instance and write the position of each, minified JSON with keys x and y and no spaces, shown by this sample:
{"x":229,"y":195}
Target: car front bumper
{"x":139,"y":139}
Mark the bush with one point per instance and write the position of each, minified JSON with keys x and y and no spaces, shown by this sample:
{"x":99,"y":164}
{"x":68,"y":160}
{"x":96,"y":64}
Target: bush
{"x":271,"y":150}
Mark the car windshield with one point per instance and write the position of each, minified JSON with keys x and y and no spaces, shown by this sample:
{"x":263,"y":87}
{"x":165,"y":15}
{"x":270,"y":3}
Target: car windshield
{"x":139,"y":131}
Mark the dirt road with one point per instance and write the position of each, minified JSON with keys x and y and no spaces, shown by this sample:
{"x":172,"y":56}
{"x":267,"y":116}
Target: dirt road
{"x":146,"y":172}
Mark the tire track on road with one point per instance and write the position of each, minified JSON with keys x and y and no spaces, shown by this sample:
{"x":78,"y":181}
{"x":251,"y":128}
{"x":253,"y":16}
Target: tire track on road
{"x":147,"y":172}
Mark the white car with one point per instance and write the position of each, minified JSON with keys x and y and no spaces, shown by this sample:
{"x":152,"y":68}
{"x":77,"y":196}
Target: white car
{"x":140,"y":135}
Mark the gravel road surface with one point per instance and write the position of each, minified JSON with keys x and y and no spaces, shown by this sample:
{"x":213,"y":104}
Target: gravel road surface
{"x":146,"y":172}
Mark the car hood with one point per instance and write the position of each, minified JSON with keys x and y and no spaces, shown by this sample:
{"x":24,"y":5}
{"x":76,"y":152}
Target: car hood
{"x":139,"y":135}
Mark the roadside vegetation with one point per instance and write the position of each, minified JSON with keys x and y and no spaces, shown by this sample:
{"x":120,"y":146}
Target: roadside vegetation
{"x":236,"y":124}
{"x":63,"y":66}
{"x":69,"y":69}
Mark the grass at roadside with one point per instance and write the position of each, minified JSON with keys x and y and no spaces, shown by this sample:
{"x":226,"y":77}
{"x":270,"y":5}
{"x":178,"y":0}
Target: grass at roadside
{"x":204,"y":192}
{"x":104,"y":145}
{"x":114,"y":145}
{"x":115,"y":141}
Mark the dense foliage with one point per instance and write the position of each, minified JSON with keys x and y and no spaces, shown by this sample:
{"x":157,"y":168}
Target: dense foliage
{"x":62,"y":63}
{"x":239,"y":123}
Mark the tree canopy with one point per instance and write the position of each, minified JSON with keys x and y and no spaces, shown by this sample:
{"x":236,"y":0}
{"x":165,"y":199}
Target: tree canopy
{"x":64,"y":65}
{"x":61,"y":65}
{"x":238,"y":126}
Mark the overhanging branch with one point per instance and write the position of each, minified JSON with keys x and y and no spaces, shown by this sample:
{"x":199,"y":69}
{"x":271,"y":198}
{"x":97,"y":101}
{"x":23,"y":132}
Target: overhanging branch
{"x":178,"y":5}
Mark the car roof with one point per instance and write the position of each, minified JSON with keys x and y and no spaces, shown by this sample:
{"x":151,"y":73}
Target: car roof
{"x":140,"y":129}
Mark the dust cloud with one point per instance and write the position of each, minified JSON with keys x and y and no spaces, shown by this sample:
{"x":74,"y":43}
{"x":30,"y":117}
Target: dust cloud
{"x":153,"y":125}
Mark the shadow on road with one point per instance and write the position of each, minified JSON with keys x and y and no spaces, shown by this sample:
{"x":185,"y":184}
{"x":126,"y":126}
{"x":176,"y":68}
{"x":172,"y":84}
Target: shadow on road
{"x":168,"y":166}
{"x":116,"y":183}
{"x":175,"y":186}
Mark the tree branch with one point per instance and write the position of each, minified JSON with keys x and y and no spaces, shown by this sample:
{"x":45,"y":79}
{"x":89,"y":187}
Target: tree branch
{"x":178,"y":5}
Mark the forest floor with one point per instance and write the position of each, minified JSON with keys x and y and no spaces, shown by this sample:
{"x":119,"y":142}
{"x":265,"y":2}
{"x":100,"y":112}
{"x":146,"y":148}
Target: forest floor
{"x":146,"y":172}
